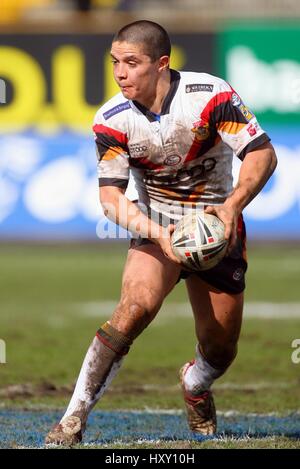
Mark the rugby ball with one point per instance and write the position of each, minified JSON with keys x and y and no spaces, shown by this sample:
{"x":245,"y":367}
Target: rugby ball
{"x":198,"y":240}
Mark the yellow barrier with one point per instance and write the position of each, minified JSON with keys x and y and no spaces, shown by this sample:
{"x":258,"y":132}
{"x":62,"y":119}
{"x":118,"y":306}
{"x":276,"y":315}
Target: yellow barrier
{"x":69,"y":107}
{"x":12,"y":11}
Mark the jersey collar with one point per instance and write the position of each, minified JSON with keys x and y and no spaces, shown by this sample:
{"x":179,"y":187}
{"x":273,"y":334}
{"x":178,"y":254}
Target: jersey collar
{"x":175,"y":79}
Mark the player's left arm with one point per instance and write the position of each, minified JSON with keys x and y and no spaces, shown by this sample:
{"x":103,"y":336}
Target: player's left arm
{"x":239,"y":129}
{"x":257,"y":167}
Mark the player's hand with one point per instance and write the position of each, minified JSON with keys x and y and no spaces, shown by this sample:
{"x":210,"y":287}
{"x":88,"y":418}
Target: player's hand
{"x":229,"y":216}
{"x":165,"y":243}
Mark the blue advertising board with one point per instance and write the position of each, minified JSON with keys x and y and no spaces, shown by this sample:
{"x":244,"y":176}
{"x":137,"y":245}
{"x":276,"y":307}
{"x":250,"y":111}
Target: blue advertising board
{"x":49,"y":190}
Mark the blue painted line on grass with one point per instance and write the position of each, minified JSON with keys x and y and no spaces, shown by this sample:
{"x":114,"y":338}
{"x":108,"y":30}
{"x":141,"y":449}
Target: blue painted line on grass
{"x":28,"y":428}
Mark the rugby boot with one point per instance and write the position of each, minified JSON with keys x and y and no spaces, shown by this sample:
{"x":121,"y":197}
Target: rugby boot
{"x":201,"y":412}
{"x":66,"y":433}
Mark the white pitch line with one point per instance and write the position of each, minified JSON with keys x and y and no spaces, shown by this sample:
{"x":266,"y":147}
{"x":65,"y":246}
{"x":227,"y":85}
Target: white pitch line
{"x":161,"y":388}
{"x":225,"y":414}
{"x":259,"y":310}
{"x":257,"y":386}
{"x":157,"y":411}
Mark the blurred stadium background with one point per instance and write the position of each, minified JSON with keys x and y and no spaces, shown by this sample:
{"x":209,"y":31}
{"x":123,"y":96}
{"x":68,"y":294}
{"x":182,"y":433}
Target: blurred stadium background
{"x":60,"y":276}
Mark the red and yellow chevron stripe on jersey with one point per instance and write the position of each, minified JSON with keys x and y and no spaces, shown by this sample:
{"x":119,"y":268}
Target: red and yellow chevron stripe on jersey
{"x":230,"y":127}
{"x":185,"y":156}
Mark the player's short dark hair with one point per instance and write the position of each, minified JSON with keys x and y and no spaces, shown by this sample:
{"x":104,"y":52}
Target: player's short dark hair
{"x":154,"y":37}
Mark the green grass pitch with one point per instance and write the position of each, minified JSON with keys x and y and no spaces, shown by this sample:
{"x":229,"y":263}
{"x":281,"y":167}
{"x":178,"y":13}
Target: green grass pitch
{"x":53,"y":298}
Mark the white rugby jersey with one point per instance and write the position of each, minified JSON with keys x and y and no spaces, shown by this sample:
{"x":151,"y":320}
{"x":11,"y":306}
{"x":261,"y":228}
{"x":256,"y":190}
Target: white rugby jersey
{"x":183,"y":157}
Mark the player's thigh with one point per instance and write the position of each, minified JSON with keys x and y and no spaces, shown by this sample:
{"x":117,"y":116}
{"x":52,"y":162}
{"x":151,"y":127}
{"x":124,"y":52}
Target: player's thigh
{"x":218,"y":315}
{"x":148,"y":277}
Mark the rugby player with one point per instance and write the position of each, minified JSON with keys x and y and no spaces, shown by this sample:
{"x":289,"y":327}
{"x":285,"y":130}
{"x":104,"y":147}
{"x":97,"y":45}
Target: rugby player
{"x":177,"y":132}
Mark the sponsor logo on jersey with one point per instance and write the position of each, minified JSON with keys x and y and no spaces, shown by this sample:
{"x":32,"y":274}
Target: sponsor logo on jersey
{"x":115,"y":110}
{"x":172,"y":160}
{"x":201,"y":130}
{"x":137,"y":150}
{"x":194,"y":175}
{"x":193,"y":88}
{"x":245,"y":111}
{"x":236,"y":101}
{"x":251,"y":130}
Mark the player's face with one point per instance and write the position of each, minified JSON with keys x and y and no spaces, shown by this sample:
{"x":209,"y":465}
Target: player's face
{"x":134,"y":72}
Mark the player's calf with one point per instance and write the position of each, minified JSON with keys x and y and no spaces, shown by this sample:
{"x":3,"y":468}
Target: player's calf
{"x":219,"y":355}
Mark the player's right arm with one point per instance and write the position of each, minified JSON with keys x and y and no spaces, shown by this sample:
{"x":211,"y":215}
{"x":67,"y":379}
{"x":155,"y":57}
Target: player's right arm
{"x":113,"y":175}
{"x":119,"y":209}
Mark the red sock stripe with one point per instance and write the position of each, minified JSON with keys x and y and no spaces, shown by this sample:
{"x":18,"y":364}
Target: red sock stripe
{"x":108,"y":344}
{"x":193,"y":400}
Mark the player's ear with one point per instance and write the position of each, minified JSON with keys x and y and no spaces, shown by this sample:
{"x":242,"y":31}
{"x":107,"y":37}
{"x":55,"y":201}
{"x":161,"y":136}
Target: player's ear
{"x":164,"y":62}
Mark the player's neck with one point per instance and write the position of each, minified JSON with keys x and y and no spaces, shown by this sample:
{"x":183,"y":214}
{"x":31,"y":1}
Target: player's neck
{"x":155,"y":102}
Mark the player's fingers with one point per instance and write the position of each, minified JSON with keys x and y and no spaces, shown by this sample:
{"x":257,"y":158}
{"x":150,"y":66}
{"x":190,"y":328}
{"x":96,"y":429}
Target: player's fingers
{"x":232,"y":240}
{"x":230,"y":246}
{"x":171,"y":228}
{"x":210,"y":209}
{"x":171,"y":256}
{"x":228,"y":230}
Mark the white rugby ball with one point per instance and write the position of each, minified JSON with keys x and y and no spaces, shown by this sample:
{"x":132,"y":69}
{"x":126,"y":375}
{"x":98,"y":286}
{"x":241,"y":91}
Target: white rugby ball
{"x":198,"y":240}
